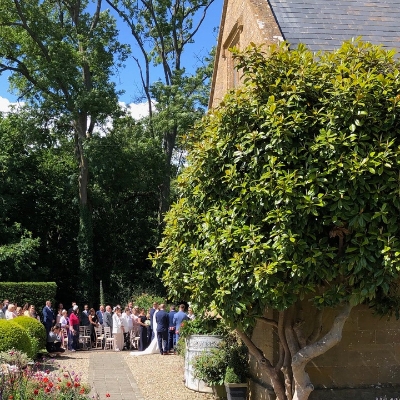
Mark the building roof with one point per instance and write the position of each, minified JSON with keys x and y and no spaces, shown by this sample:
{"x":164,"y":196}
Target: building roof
{"x":325,"y":24}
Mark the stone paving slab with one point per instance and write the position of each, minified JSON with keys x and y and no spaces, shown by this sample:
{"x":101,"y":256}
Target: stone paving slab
{"x":109,"y":374}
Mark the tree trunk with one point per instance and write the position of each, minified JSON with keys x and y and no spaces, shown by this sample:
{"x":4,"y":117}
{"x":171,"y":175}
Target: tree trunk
{"x":302,"y":382}
{"x":85,"y":234}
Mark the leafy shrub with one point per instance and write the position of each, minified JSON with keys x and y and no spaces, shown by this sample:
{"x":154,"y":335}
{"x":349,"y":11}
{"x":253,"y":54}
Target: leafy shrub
{"x":36,"y":332}
{"x":228,"y":361}
{"x":14,"y":336}
{"x":14,"y":357}
{"x":146,"y":300}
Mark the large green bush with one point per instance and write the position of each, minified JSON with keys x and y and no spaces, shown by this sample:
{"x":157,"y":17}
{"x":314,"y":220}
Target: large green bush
{"x":36,"y":332}
{"x":14,"y":336}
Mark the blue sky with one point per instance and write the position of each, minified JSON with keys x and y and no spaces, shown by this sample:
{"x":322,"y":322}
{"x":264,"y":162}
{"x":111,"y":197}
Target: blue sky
{"x":128,"y":79}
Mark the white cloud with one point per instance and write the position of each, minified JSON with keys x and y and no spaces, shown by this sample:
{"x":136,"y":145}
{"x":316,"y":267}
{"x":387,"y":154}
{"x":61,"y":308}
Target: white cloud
{"x":6,"y":105}
{"x":137,"y":111}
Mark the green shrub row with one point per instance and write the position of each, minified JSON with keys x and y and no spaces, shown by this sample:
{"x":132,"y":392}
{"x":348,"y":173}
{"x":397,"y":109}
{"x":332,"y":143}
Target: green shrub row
{"x":22,"y":333}
{"x":28,"y":292}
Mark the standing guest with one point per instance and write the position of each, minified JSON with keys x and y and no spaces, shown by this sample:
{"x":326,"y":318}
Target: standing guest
{"x":152,"y":311}
{"x":2,"y":315}
{"x":54,"y":341}
{"x":10,"y":312}
{"x":64,"y":323}
{"x":149,"y":334}
{"x":130,"y":306}
{"x":74,"y":328}
{"x":162,"y":320}
{"x":128,"y":325}
{"x":59,"y":313}
{"x":19,"y":312}
{"x":48,"y":316}
{"x":25,"y":308}
{"x":100,"y":314}
{"x":179,"y":317}
{"x":118,"y":329}
{"x":135,"y":321}
{"x":94,"y":323}
{"x":171,"y":328}
{"x":191,"y":315}
{"x":5,"y":305}
{"x":85,"y":316}
{"x":142,"y":330}
{"x":31,"y":312}
{"x":70,"y":310}
{"x":108,"y":321}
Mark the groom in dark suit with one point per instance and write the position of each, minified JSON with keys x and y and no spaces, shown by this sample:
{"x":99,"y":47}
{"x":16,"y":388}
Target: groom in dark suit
{"x":162,"y":330}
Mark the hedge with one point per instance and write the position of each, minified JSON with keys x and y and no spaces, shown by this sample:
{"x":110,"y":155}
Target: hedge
{"x":14,"y":336}
{"x":28,"y":292}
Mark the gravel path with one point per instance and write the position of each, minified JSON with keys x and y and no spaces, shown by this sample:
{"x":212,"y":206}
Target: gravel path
{"x":158,"y":377}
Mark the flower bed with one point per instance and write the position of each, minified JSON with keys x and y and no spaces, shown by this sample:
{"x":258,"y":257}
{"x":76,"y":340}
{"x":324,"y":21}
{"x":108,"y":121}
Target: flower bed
{"x":21,"y":379}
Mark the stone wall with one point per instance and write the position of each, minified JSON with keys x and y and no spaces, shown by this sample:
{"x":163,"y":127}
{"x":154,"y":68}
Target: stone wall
{"x":243,"y":21}
{"x":364,"y":365}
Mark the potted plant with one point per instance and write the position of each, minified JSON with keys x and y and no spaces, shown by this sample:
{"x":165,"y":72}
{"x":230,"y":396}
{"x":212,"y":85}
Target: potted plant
{"x":210,"y":367}
{"x":235,"y":385}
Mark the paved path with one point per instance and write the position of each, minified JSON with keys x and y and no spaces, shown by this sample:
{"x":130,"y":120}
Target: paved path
{"x":109,"y":374}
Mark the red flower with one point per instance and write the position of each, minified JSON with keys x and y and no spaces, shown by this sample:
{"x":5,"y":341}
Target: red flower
{"x":11,"y":396}
{"x":77,"y":384}
{"x":107,"y":394}
{"x":45,"y":379}
{"x":36,"y":392}
{"x":69,"y":384}
{"x":47,"y":389}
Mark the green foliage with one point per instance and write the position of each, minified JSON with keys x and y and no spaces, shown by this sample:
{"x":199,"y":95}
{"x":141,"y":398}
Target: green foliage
{"x":14,"y":336}
{"x":205,"y":325}
{"x":28,"y":292}
{"x":146,"y":300}
{"x":36,"y":332}
{"x":219,"y":365}
{"x":292,"y":188}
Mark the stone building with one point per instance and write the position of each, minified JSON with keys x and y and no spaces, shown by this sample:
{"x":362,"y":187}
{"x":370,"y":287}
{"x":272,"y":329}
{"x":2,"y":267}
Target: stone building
{"x":366,"y":364}
{"x":320,"y":24}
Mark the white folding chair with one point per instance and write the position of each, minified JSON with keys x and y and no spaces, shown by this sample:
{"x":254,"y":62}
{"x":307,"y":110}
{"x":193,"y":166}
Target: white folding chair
{"x":99,"y":337}
{"x":108,"y":339}
{"x":84,"y":337}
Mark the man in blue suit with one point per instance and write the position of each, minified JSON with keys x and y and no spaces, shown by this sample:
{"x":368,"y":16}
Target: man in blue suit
{"x":48,"y":316}
{"x":162,"y":329}
{"x":179,"y":317}
{"x":171,"y":331}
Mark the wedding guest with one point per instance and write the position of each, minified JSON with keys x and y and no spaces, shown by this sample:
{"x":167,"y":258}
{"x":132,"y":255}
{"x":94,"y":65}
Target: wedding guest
{"x":108,"y":321}
{"x":100,"y":314}
{"x":143,"y":342}
{"x":135,"y":321}
{"x":128,"y":325}
{"x":74,"y":327}
{"x":2,"y":315}
{"x":31,"y":312}
{"x":25,"y":308}
{"x":85,"y":316}
{"x":48,"y":316}
{"x":59,"y":312}
{"x":171,"y":329}
{"x":179,"y":317}
{"x":94,"y":323}
{"x":152,"y":311}
{"x":19,"y":312}
{"x":54,"y":341}
{"x":5,"y":305}
{"x":10,"y":312}
{"x":70,"y":310}
{"x":117,"y":329}
{"x":161,"y":318}
{"x":64,"y":323}
{"x":191,"y":315}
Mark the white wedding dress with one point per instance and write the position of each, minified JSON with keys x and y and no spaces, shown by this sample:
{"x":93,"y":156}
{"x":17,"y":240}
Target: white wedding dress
{"x":153,"y":346}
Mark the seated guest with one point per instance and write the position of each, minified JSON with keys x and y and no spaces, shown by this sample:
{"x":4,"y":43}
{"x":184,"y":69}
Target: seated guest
{"x":54,"y":341}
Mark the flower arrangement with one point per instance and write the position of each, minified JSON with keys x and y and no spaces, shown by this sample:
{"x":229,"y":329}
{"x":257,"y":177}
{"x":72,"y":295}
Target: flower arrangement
{"x":24,"y":380}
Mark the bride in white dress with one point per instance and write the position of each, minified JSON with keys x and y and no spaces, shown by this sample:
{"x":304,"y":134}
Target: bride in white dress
{"x":153,"y":346}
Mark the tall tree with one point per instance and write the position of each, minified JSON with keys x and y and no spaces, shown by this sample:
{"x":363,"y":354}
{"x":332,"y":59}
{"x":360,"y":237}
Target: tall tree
{"x":292,"y":192}
{"x":163,"y":30}
{"x":61,"y":57}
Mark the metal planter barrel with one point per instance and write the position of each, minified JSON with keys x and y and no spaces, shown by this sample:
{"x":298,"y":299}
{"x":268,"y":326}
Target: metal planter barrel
{"x":196,"y":344}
